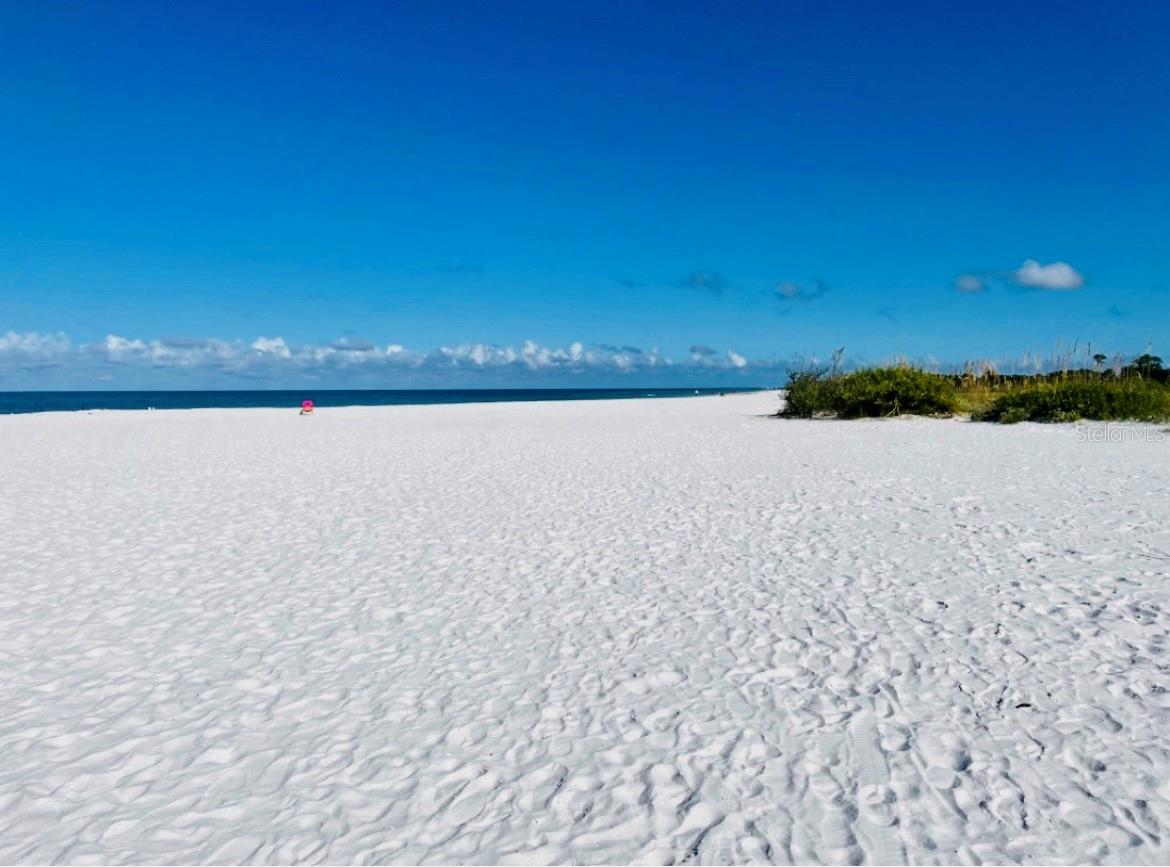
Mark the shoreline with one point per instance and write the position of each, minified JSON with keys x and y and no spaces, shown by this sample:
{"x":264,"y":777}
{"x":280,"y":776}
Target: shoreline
{"x":474,"y":396}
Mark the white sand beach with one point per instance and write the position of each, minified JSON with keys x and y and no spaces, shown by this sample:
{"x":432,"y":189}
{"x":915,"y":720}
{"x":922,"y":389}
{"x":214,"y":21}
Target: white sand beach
{"x":647,"y":631}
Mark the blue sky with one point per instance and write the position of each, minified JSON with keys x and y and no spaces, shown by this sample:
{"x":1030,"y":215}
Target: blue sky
{"x":512,"y":194}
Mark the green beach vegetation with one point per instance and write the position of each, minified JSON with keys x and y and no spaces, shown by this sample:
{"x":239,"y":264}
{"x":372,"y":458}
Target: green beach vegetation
{"x":1136,"y":391}
{"x":870,"y":393}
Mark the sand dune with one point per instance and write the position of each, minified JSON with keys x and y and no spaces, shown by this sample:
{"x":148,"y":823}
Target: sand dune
{"x":649,"y":631}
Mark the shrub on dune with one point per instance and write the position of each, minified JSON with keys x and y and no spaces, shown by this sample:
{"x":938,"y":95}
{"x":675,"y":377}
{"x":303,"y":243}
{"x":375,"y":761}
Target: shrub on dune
{"x":1139,"y":391}
{"x":808,"y":394}
{"x":870,"y":393}
{"x":1073,"y":398}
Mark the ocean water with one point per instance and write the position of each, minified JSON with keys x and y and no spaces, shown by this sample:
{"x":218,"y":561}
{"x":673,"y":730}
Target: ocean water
{"x":57,"y":401}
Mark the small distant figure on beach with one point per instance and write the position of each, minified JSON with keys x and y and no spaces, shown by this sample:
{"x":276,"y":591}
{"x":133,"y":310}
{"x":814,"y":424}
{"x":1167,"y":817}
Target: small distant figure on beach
{"x":306,"y":407}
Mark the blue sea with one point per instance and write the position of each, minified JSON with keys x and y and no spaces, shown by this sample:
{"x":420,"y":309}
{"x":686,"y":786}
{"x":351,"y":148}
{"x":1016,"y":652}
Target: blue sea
{"x":56,"y":401}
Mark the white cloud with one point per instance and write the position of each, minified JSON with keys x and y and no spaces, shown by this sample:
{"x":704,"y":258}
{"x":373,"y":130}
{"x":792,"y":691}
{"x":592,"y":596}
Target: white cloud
{"x":535,"y":356}
{"x":118,"y":346}
{"x":1058,"y":276}
{"x":132,"y":362}
{"x":272,"y":346}
{"x":188,"y":353}
{"x":30,"y":354}
{"x":33,"y":344}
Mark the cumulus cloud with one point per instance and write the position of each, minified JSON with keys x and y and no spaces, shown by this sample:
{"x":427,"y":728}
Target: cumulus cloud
{"x":31,"y":351}
{"x":117,"y":347}
{"x":177,"y":353}
{"x":1055,"y":277}
{"x":117,"y":359}
{"x":271,"y":346}
{"x":32,"y":344}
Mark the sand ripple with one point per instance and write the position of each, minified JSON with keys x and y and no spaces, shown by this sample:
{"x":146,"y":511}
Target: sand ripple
{"x":649,"y":631}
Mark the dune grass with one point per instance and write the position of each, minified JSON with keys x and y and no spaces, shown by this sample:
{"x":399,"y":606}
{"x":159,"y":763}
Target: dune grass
{"x":870,"y":393}
{"x":904,"y":390}
{"x":1079,"y":397}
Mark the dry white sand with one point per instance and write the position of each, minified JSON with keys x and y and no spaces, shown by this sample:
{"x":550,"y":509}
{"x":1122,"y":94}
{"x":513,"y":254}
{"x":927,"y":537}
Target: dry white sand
{"x":645,"y":631}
